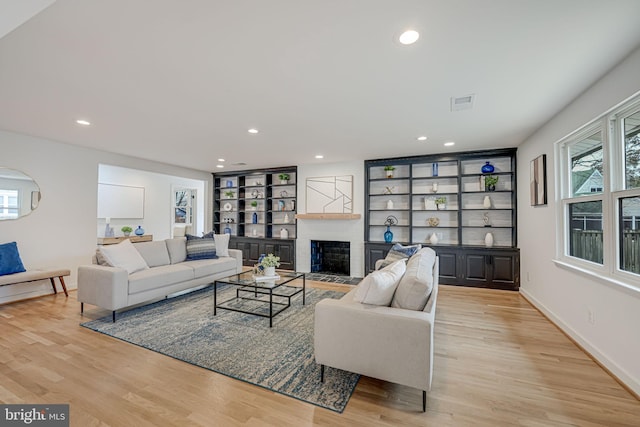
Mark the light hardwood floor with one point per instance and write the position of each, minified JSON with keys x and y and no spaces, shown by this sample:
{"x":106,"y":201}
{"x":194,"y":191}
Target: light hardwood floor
{"x":498,"y":362}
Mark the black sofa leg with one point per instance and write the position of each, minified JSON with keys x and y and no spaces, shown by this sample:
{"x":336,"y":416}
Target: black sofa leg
{"x":424,"y":401}
{"x":321,"y":373}
{"x":113,"y":315}
{"x":81,"y":307}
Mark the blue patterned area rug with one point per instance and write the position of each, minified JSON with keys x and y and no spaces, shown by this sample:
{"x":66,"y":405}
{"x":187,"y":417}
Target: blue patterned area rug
{"x":238,"y":345}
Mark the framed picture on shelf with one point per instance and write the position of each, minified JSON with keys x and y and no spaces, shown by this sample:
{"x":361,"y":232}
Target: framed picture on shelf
{"x":538,"y":183}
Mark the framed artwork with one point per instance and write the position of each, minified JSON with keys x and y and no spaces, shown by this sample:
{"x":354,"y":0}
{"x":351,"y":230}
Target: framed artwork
{"x":330,"y":194}
{"x":538,"y":182}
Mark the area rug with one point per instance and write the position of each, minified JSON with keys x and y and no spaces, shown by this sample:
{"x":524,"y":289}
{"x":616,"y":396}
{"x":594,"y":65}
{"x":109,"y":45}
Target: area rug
{"x":333,"y":278}
{"x":238,"y":345}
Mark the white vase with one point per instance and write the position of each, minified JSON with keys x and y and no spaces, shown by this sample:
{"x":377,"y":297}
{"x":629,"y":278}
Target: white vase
{"x":486,"y":202}
{"x":434,"y":187}
{"x":284,"y":233}
{"x":488,"y":240}
{"x":286,"y":218}
{"x":269,"y":271}
{"x":389,"y":204}
{"x":433,"y":239}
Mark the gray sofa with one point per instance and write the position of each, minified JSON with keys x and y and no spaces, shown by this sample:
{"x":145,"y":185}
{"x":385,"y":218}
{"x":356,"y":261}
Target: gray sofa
{"x":385,"y":342}
{"x":169,"y":272}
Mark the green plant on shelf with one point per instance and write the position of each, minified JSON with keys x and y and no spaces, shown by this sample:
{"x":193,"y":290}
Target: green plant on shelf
{"x":126,"y":229}
{"x":284,"y":177}
{"x":254,"y":204}
{"x":229,"y":194}
{"x":490,"y":182}
{"x":441,"y":200}
{"x":389,"y":168}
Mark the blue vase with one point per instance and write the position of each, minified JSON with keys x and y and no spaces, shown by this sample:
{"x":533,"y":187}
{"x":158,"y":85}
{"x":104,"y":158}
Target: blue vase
{"x":229,"y":184}
{"x":434,"y":169}
{"x":254,"y":218}
{"x":487,"y":168}
{"x":227,"y":230}
{"x":139,"y":231}
{"x":388,"y":235}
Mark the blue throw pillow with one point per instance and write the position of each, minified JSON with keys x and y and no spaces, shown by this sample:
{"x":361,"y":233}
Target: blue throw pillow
{"x":200,"y":247}
{"x":10,"y":261}
{"x":398,"y":251}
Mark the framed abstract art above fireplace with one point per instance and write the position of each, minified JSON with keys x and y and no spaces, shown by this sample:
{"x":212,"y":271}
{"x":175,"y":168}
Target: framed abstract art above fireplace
{"x":329,"y":194}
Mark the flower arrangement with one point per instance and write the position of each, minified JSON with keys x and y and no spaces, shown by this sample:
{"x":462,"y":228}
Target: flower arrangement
{"x":270,"y":261}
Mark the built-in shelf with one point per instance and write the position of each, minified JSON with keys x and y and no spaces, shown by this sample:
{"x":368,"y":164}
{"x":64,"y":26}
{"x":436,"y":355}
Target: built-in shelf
{"x":329,"y":216}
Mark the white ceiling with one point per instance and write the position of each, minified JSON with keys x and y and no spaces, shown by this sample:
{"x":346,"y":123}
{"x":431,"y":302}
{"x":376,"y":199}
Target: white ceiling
{"x":180,"y":82}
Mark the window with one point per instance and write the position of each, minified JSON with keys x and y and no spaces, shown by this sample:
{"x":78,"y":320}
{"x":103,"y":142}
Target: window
{"x":600,"y":191}
{"x":9,"y":207}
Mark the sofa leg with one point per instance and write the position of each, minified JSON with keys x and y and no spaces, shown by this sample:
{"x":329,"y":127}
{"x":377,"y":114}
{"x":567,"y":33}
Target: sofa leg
{"x":321,"y":373}
{"x":113,"y":315}
{"x":424,"y":401}
{"x":81,"y":307}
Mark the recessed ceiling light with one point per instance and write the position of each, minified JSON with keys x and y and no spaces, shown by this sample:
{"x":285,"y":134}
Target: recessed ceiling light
{"x":83,"y":122}
{"x":219,"y":166}
{"x":221,"y":160}
{"x":422,"y":138}
{"x":409,"y":37}
{"x":253,"y":130}
{"x":319,"y":156}
{"x":449,"y":144}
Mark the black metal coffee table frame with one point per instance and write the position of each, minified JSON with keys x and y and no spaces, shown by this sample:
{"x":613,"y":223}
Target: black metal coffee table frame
{"x":255,"y":288}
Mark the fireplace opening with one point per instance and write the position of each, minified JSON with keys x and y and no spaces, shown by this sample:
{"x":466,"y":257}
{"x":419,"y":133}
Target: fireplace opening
{"x":330,"y":257}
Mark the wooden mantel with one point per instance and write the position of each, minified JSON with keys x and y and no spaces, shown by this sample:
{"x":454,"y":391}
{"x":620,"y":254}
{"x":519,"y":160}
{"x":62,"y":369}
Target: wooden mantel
{"x":329,"y":216}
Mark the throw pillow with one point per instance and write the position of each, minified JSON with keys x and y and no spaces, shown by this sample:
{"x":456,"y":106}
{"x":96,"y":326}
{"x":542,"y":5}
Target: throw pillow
{"x":377,"y":288}
{"x":155,"y":253}
{"x":416,"y":285}
{"x":200,"y":248}
{"x":10,"y":261}
{"x":222,"y":244}
{"x":123,"y":255}
{"x":177,"y":248}
{"x":398,"y":251}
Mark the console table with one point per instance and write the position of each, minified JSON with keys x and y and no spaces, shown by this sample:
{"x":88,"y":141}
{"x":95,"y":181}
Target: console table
{"x":115,"y":240}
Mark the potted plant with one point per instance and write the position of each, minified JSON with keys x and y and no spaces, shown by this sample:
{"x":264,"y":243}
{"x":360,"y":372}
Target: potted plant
{"x":490,"y":182}
{"x":441,"y":203}
{"x":389,"y":170}
{"x":126,"y":230}
{"x":254,"y":205}
{"x":284,"y":178}
{"x":229,"y":194}
{"x":269,"y":264}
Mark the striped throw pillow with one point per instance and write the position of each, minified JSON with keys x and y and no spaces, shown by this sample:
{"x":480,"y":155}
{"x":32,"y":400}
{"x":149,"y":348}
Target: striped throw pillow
{"x":398,"y":251}
{"x":200,"y":247}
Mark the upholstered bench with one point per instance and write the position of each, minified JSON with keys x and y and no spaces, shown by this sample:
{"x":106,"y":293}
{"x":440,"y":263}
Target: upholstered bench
{"x":34,"y":275}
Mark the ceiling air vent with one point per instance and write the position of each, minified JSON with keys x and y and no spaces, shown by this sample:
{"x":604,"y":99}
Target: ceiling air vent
{"x":462,"y":102}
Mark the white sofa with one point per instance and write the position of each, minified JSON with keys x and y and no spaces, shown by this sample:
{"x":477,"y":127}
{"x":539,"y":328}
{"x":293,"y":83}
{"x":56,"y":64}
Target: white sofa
{"x":384,"y":342}
{"x":169,"y":272}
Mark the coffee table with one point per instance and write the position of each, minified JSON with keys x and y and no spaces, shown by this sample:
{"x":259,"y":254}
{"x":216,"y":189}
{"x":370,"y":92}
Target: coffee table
{"x":260,"y":298}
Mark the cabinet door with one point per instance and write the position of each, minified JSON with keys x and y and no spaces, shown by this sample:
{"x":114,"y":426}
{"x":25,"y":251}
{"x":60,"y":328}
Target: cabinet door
{"x":448,"y":267}
{"x":287,"y":258}
{"x":475,"y":268}
{"x":503,"y":268}
{"x":373,"y":255}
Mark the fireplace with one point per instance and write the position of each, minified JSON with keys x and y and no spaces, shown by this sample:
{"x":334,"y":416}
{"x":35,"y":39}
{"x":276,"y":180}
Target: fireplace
{"x":330,"y":257}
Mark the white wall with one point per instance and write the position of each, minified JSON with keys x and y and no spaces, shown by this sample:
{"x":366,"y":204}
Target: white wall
{"x":351,"y":231}
{"x":157,"y":200}
{"x":62,"y":231}
{"x":566,"y":295}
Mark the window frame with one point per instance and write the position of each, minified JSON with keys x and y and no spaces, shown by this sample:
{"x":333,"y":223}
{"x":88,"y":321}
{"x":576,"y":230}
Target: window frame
{"x":611,"y":127}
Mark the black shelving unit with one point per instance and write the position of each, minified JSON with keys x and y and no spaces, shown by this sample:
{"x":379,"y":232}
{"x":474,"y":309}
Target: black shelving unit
{"x":465,"y":258}
{"x":275,"y":210}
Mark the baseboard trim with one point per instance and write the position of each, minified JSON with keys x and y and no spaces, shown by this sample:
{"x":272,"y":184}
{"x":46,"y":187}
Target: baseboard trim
{"x":617,"y":373}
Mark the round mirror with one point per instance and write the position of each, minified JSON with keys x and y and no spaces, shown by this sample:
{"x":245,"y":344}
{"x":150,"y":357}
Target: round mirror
{"x":19,"y":194}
